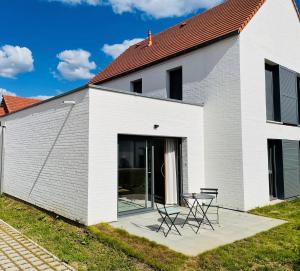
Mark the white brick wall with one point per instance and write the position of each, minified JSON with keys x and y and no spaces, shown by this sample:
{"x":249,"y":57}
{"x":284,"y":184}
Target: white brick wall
{"x":222,"y":124}
{"x":46,"y":156}
{"x":113,"y":113}
{"x":195,"y":66}
{"x":210,"y":75}
{"x":273,"y":34}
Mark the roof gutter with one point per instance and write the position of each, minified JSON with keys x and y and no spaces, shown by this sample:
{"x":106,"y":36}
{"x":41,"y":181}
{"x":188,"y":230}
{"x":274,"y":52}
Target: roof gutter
{"x":228,"y":35}
{"x":47,"y":100}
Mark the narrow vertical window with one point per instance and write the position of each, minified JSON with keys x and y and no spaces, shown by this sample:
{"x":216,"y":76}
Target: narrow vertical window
{"x":272,"y":93}
{"x":298,"y":87}
{"x":269,"y":93}
{"x":175,"y":83}
{"x":137,"y":86}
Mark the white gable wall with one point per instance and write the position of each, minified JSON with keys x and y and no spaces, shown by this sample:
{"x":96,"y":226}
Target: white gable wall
{"x":46,"y":156}
{"x":273,"y":34}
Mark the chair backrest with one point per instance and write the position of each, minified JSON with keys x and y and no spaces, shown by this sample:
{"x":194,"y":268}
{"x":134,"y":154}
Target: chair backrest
{"x":159,"y":201}
{"x":210,"y":191}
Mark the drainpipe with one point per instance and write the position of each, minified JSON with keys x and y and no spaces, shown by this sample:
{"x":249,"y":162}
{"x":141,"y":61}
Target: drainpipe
{"x":3,"y":126}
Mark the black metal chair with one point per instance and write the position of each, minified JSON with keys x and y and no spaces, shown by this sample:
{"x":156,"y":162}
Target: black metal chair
{"x":214,"y":205}
{"x":169,"y":215}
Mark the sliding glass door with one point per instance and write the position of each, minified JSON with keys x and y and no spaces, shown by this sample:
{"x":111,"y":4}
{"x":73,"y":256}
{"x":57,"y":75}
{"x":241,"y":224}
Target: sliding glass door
{"x":147,"y":172}
{"x":133,"y":187}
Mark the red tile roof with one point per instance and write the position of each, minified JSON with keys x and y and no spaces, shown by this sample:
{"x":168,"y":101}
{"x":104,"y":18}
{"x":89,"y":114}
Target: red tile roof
{"x":2,"y":111}
{"x":226,"y":19}
{"x":11,"y":104}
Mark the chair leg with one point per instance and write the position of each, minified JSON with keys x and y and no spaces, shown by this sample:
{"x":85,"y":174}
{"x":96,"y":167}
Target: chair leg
{"x":169,"y":227}
{"x":190,"y":212}
{"x":163,"y":221}
{"x":204,"y":211}
{"x":173,"y":223}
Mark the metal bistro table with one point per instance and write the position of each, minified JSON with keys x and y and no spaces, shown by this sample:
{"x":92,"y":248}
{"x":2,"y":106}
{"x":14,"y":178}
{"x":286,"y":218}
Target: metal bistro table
{"x":196,"y":208}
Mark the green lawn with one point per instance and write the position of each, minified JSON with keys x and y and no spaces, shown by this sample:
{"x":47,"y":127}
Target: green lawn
{"x":103,"y":248}
{"x":74,"y":245}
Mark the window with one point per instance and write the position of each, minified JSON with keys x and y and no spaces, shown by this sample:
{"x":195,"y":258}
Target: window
{"x":175,"y":83}
{"x":272,"y":93}
{"x":137,"y":86}
{"x":284,"y":168}
{"x":282,"y":95}
{"x":298,"y":86}
{"x":288,"y":96}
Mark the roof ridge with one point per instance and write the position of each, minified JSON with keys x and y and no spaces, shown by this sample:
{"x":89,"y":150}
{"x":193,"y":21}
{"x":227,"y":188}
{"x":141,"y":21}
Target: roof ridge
{"x":249,"y":18}
{"x":19,"y":97}
{"x":193,"y":17}
{"x":179,"y":23}
{"x":17,"y":102}
{"x":258,"y":8}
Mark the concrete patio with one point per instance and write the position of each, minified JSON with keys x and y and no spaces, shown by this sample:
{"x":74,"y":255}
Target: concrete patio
{"x":233,"y":226}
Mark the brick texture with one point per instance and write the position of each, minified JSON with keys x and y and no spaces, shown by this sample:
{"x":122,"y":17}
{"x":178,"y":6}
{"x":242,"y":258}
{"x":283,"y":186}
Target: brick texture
{"x":46,"y":156}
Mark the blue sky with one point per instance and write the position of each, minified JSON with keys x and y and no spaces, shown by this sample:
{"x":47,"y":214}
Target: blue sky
{"x":51,"y":46}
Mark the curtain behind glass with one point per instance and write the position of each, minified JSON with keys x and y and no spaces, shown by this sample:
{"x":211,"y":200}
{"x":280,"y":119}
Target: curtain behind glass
{"x":170,"y":172}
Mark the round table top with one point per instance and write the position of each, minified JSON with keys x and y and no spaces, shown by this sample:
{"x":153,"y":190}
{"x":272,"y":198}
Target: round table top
{"x":197,"y":196}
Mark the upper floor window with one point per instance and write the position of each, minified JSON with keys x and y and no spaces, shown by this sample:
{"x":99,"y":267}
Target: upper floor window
{"x":175,"y":83}
{"x":298,"y":88}
{"x":282,"y":95}
{"x":137,"y":86}
{"x":272,"y":92}
{"x":288,"y":96}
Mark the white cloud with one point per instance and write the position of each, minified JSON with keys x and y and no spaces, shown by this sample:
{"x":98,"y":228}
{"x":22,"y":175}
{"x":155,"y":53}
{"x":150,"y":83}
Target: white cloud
{"x":15,"y":60}
{"x":154,"y":8}
{"x":114,"y":50}
{"x":162,"y":8}
{"x":41,"y":97}
{"x":78,"y":2}
{"x":4,"y":91}
{"x":75,"y":64}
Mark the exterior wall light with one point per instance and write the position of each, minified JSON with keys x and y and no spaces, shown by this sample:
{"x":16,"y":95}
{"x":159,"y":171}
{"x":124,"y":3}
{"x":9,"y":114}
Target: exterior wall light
{"x":69,"y":102}
{"x":156,"y":126}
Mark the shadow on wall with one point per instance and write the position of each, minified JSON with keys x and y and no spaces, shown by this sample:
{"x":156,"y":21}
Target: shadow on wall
{"x":51,"y":149}
{"x":214,"y":61}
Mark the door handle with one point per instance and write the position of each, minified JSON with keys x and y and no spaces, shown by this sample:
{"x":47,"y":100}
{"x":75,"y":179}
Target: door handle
{"x":161,"y":170}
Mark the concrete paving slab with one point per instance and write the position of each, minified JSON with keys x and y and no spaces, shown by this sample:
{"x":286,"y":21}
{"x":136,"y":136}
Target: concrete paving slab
{"x":20,"y":253}
{"x":233,"y":226}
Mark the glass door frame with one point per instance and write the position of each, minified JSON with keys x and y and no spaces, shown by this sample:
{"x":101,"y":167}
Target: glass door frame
{"x":147,"y":173}
{"x":150,"y":176}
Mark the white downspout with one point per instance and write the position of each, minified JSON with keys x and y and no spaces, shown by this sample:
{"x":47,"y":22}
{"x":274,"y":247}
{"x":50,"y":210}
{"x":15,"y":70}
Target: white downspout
{"x":3,"y":126}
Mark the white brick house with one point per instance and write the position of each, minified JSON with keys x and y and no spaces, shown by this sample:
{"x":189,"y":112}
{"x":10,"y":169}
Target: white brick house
{"x":218,"y":107}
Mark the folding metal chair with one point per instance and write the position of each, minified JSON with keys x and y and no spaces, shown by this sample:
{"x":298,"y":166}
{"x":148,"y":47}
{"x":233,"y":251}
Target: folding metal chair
{"x":214,"y":205}
{"x":169,"y":215}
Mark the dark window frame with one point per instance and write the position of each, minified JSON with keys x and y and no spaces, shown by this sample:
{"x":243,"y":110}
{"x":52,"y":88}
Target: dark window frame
{"x":175,"y":94}
{"x":276,"y":91}
{"x":298,"y":88}
{"x":134,"y":86}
